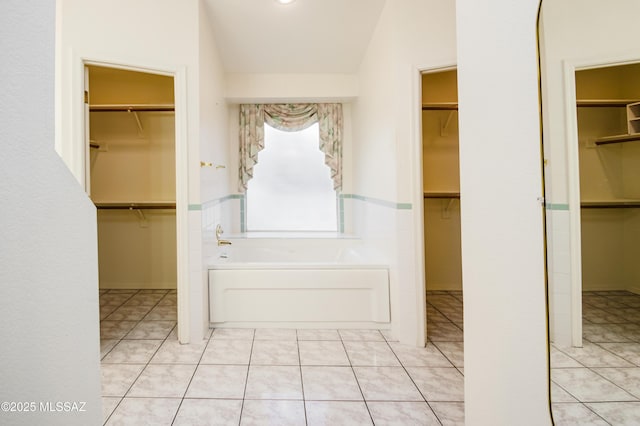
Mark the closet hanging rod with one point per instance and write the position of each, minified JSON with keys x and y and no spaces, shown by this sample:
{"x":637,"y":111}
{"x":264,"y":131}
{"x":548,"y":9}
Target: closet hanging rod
{"x":135,"y":206}
{"x":598,"y":103}
{"x":131,"y":107}
{"x":617,"y":139}
{"x":440,"y":106}
{"x":452,"y":195}
{"x":610,"y":204}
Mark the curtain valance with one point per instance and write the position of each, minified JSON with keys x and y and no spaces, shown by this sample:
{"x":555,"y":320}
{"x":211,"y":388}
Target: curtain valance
{"x":290,"y":117}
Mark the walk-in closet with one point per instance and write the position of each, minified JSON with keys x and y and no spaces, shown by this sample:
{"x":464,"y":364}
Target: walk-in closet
{"x":608,"y":112}
{"x":441,"y":185}
{"x":131,"y":132}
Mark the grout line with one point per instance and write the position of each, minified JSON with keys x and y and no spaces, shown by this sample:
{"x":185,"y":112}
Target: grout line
{"x":435,"y":344}
{"x":446,"y":307}
{"x":304,"y":401}
{"x":192,"y":375}
{"x":598,"y":415}
{"x":118,"y":340}
{"x":415,"y":384}
{"x":123,"y":338}
{"x":356,"y":377}
{"x":246,"y":381}
{"x":110,"y":350}
{"x":599,"y":344}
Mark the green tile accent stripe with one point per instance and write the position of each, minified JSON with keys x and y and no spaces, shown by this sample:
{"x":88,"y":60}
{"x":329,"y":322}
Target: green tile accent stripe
{"x":195,"y":207}
{"x":223,"y":199}
{"x":383,"y":203}
{"x":556,"y":206}
{"x":243,"y":215}
{"x":341,"y":198}
{"x":341,"y":214}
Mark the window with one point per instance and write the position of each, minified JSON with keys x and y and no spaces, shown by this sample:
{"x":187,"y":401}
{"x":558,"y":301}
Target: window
{"x":291,"y":189}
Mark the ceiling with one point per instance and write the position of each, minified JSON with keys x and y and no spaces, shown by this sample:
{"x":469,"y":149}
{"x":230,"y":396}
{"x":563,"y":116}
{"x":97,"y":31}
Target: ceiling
{"x":306,"y":36}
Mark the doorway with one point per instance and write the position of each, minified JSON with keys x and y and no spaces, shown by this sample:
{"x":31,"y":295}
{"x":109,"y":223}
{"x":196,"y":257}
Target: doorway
{"x":604,"y":155}
{"x":442,"y":232}
{"x":608,"y":124}
{"x":131,"y":178}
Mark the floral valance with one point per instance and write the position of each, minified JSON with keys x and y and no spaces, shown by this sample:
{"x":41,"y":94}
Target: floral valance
{"x":290,"y":117}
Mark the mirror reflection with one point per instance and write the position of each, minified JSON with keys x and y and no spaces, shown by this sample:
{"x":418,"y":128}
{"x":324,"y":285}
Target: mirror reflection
{"x":590,"y":74}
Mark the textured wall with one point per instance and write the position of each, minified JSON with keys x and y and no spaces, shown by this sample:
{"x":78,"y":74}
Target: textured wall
{"x":502,"y":218}
{"x":48,"y":270}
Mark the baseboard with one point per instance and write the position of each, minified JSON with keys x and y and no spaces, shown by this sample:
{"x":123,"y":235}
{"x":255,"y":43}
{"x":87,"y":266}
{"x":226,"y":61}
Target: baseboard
{"x":317,"y":325}
{"x":634,"y":289}
{"x":444,"y":286}
{"x":137,"y":286}
{"x":604,"y":287}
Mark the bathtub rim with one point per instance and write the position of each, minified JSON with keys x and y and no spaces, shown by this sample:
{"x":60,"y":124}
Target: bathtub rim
{"x":293,"y":265}
{"x":215,"y":255}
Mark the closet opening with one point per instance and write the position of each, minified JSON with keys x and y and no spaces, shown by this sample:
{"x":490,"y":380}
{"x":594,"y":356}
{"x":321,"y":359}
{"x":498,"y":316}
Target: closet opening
{"x":131,"y":178}
{"x":608,"y":121}
{"x":442,"y":233}
{"x":603,"y":146}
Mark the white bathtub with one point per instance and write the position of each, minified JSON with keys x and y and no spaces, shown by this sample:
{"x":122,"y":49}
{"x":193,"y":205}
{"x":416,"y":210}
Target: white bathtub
{"x":298,"y":283}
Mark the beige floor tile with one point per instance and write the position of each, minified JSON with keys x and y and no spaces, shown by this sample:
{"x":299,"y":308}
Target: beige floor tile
{"x":336,"y":413}
{"x":274,"y":382}
{"x":330,"y":383}
{"x":281,"y":413}
{"x":322,"y":352}
{"x":210,"y":412}
{"x":386,"y":384}
{"x":144,"y":411}
{"x":163,"y":381}
{"x":402,"y":413}
{"x":218,"y":381}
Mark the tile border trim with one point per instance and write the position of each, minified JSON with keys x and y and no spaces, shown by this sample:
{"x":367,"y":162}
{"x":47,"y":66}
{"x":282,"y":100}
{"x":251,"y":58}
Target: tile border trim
{"x":557,"y":206}
{"x":227,"y":197}
{"x":340,"y":206}
{"x":379,"y":202}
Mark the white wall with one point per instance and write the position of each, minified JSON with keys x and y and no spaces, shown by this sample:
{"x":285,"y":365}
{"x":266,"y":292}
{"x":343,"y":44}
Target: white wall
{"x":151,"y":34}
{"x":214,"y":112}
{"x":410,"y":36}
{"x":214,"y":146}
{"x":156,"y":35}
{"x":271,"y":88}
{"x":49,"y":277}
{"x":505,"y":360}
{"x":575,"y":34}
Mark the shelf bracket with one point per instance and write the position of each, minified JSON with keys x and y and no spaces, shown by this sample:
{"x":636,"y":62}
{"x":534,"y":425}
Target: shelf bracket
{"x":444,"y":126}
{"x":445,"y":212}
{"x":135,"y":115}
{"x":141,"y":217}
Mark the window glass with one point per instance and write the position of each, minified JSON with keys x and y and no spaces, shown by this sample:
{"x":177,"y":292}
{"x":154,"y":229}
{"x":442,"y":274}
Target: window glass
{"x":291,"y":189}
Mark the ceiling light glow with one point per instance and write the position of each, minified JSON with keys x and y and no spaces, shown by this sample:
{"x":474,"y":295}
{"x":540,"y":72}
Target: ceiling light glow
{"x":285,"y":1}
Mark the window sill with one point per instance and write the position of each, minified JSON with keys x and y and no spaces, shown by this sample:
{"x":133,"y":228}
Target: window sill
{"x":292,"y":235}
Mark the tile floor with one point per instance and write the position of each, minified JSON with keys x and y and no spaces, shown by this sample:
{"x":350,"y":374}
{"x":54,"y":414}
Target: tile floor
{"x":275,"y":376}
{"x":333,"y":377}
{"x":599,"y":384}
